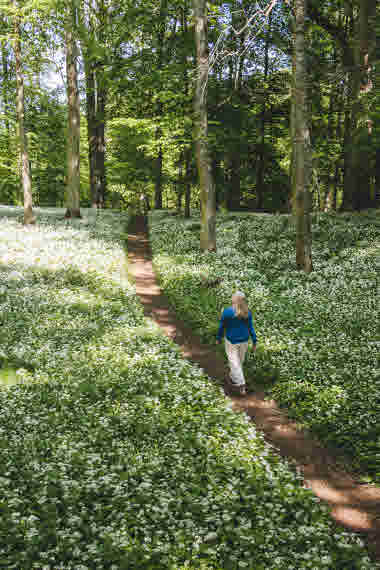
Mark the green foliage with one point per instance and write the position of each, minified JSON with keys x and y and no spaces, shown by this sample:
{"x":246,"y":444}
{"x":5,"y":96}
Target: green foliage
{"x":118,"y":453}
{"x":318,"y":341}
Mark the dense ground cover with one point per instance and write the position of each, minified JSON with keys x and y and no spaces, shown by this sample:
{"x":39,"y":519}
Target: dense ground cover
{"x":114,"y":451}
{"x":318,"y":334}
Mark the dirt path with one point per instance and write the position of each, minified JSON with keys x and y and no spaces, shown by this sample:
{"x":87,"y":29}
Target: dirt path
{"x":355,"y":506}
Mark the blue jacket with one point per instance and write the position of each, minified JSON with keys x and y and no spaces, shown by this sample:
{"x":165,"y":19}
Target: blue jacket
{"x":237,"y":330}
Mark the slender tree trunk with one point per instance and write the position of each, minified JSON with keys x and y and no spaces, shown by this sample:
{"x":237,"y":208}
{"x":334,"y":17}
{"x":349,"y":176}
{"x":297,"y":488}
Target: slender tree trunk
{"x":158,"y":135}
{"x":302,"y":201}
{"x":330,"y":202}
{"x":233,"y":197}
{"x":261,"y":159}
{"x":6,"y":103}
{"x":357,"y":195}
{"x":330,"y":129}
{"x":101,"y":86}
{"x":207,"y":188}
{"x":293,"y":120}
{"x":29,"y":217}
{"x":73,"y":127}
{"x":188,"y":184}
{"x":100,"y":171}
{"x":180,"y":181}
{"x":96,"y":96}
{"x":187,"y":111}
{"x":158,"y":180}
{"x":91,"y":127}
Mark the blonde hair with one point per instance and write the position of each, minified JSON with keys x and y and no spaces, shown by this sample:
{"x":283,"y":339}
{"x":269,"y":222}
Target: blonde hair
{"x":239,"y":305}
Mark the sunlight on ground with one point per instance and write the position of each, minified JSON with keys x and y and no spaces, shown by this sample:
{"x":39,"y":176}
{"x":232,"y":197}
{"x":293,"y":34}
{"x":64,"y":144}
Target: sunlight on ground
{"x":9,"y":377}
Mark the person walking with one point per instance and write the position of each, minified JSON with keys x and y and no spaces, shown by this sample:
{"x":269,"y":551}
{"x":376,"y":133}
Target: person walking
{"x":236,"y":321}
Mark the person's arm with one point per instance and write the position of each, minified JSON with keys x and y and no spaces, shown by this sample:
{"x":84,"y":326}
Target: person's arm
{"x":252,"y":331}
{"x":221,"y":327}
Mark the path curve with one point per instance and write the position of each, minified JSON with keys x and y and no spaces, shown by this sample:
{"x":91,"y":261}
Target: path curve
{"x":355,"y":506}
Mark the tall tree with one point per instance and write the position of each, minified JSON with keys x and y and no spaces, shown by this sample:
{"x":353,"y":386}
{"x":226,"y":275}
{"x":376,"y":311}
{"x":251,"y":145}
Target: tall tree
{"x":301,"y":144}
{"x":234,"y":149}
{"x":26,"y":179}
{"x":73,"y":126}
{"x":207,"y":188}
{"x":94,"y":39}
{"x":261,"y":159}
{"x":357,"y":185}
{"x":160,"y":61}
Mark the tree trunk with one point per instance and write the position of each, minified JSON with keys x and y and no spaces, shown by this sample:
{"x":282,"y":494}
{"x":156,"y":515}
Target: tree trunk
{"x":180,"y":182}
{"x":187,"y":110}
{"x":207,"y":188}
{"x":73,"y":127}
{"x":158,"y":180}
{"x":233,"y":197}
{"x":6,"y":101}
{"x":293,"y":119}
{"x":188,"y":183}
{"x":159,"y":111}
{"x":261,"y":159}
{"x":357,"y":195}
{"x":332,"y":188}
{"x":29,"y":217}
{"x":100,"y":170}
{"x":302,"y":201}
{"x":96,"y":95}
{"x":330,"y":128}
{"x":91,"y":127}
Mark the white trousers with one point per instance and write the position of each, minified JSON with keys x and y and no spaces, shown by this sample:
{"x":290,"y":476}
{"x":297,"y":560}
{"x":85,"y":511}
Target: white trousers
{"x":236,"y":354}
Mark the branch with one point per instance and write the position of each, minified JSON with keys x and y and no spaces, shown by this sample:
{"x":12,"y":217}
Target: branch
{"x":264,"y":13}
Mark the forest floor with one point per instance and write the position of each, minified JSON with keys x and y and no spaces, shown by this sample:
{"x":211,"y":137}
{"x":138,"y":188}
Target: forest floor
{"x":353,"y":505}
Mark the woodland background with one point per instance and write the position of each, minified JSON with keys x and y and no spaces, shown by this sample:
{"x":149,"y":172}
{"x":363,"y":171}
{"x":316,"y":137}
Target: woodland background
{"x":108,"y":87}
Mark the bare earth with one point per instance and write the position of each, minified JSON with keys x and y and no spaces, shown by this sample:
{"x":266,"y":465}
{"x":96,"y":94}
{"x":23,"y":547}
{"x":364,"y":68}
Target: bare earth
{"x":354,"y":506}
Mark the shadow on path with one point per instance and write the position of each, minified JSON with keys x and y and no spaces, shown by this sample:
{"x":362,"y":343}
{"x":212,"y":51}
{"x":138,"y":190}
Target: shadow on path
{"x":355,"y":506}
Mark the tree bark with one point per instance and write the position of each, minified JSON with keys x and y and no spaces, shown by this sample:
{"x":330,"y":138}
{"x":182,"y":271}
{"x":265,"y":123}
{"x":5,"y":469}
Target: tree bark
{"x":293,"y":119}
{"x":73,"y":127}
{"x":333,"y":182}
{"x":158,"y":180}
{"x":207,"y":188}
{"x":187,"y":110}
{"x":95,"y":21}
{"x":5,"y":91}
{"x":91,"y":127}
{"x":326,"y":202}
{"x":158,"y":135}
{"x":180,"y":182}
{"x":302,"y":198}
{"x":188,"y":184}
{"x":233,"y":156}
{"x":261,"y":160}
{"x":29,"y":217}
{"x":357,"y":195}
{"x":100,"y":169}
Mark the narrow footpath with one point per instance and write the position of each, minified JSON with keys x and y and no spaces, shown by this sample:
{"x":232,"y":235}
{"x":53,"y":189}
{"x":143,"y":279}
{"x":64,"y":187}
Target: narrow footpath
{"x":355,"y":506}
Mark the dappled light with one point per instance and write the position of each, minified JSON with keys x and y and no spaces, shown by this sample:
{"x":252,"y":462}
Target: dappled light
{"x":321,"y":467}
{"x":189,"y":279}
{"x":139,"y":429}
{"x":9,"y":376}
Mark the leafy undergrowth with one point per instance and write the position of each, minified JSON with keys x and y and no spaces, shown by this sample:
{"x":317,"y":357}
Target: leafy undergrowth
{"x":114,"y":451}
{"x":318,"y":334}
